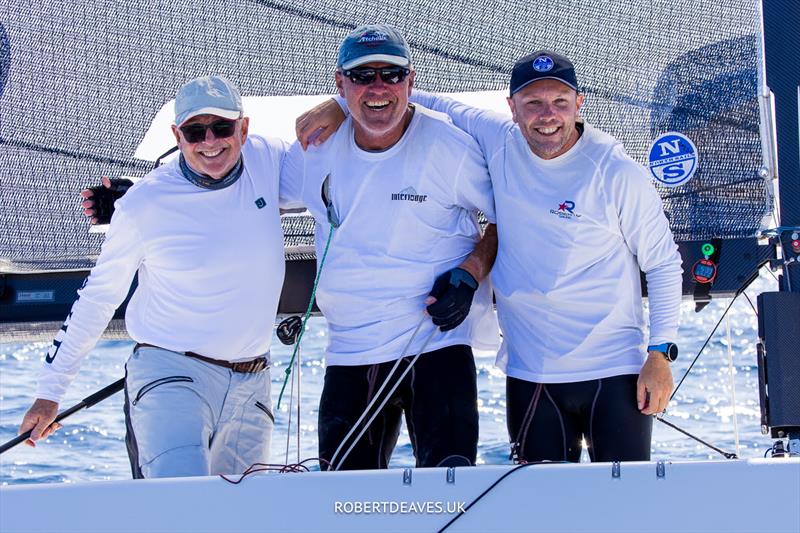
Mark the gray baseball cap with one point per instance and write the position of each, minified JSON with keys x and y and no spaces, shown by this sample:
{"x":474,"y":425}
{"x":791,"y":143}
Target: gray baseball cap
{"x":375,"y":42}
{"x":208,"y":95}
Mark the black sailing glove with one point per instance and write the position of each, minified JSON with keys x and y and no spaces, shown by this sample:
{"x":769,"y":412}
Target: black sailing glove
{"x":453,"y":291}
{"x":104,"y":198}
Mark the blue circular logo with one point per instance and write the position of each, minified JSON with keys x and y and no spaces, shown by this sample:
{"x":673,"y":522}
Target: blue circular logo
{"x":542,"y":64}
{"x":672,"y":159}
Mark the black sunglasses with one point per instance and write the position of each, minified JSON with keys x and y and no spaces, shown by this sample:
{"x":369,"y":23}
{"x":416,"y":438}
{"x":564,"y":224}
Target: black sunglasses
{"x":195,"y":133}
{"x":365,"y":76}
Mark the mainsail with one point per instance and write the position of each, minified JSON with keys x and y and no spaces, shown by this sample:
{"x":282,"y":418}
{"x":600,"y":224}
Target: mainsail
{"x":80,"y":84}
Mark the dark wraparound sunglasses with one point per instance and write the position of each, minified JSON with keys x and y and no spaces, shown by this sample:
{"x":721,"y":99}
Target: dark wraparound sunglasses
{"x":195,"y":133}
{"x":365,"y":76}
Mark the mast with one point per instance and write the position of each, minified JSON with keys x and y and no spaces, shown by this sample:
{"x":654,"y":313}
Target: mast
{"x":779,"y":312}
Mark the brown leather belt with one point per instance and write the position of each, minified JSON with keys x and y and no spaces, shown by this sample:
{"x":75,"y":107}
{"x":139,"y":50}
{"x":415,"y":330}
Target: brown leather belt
{"x":259,"y":364}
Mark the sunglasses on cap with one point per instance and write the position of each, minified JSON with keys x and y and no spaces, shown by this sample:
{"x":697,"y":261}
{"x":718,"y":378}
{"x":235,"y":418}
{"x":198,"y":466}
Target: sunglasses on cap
{"x":195,"y":133}
{"x":365,"y":76}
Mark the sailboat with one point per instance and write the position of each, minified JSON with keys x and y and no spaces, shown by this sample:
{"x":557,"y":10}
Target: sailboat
{"x":84,"y":92}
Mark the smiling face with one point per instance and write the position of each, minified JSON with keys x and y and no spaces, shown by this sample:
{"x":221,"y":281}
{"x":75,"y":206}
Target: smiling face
{"x":380,"y":110}
{"x":212,"y":157}
{"x":546,"y":112}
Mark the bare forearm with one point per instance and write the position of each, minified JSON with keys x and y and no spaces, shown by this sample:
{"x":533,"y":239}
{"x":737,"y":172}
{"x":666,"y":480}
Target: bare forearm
{"x":479,"y":262}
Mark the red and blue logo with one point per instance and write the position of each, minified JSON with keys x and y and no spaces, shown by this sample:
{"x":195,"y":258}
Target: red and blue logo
{"x":566,"y":209}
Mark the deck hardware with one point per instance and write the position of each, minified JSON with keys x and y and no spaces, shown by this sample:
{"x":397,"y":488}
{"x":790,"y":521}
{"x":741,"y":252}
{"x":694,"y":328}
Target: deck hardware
{"x":451,"y":474}
{"x":661,"y":469}
{"x":406,"y":476}
{"x":615,"y":470}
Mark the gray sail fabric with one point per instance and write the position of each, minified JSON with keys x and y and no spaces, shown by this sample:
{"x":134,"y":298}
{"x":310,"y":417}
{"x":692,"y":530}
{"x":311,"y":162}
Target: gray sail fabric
{"x":81,"y":83}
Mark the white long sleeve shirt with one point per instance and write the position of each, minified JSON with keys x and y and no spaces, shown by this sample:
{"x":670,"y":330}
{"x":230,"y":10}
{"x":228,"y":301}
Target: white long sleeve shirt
{"x":407,"y":215}
{"x":210,"y":263}
{"x":573,"y":233}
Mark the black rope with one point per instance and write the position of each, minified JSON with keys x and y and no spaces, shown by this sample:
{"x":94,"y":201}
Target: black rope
{"x":703,"y":347}
{"x":492,"y":486}
{"x":725,"y":454}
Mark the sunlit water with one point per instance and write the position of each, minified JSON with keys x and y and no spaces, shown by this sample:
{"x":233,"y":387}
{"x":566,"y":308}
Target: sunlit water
{"x":91,"y":445}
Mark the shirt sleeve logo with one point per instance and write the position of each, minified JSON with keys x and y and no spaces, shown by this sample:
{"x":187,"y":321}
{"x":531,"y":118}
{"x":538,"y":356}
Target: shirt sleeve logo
{"x":672,"y":159}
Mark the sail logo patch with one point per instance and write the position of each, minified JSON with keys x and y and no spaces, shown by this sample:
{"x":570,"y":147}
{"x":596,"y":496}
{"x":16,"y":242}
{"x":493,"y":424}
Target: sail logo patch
{"x":672,"y":159}
{"x":542,"y":64}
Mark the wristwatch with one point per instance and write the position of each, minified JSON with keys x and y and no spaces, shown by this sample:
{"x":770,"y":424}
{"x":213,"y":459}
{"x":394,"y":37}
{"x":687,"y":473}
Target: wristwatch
{"x":669,"y":349}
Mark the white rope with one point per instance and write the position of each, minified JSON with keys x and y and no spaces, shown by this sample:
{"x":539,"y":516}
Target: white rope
{"x":377,"y":394}
{"x":732,"y":383}
{"x":297,"y":371}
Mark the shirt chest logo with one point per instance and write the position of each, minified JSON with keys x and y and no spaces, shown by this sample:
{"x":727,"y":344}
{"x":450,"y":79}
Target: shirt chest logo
{"x":566,"y":210}
{"x":409,"y":194}
{"x":261,"y":203}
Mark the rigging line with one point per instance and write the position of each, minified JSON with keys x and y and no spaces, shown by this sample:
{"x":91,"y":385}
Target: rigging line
{"x":307,"y":314}
{"x":732,"y":383}
{"x":492,"y":486}
{"x":289,"y":423}
{"x":135,"y":163}
{"x":708,"y":339}
{"x":386,"y":399}
{"x":725,"y":454}
{"x":711,"y":188}
{"x":279,"y":6}
{"x":297,"y":372}
{"x":378,"y":393}
{"x":753,"y":307}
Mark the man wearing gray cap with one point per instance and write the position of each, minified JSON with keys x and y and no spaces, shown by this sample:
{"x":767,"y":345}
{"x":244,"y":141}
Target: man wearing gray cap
{"x":395,"y":195}
{"x":568,"y":293}
{"x":402,"y":186}
{"x":204,"y":234}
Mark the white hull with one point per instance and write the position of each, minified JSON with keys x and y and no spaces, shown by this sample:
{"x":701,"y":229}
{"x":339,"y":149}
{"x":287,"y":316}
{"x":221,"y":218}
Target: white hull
{"x":691,"y":496}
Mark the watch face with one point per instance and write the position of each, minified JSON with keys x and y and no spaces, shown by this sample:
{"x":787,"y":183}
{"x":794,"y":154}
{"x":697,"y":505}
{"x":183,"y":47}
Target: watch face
{"x":672,"y":352}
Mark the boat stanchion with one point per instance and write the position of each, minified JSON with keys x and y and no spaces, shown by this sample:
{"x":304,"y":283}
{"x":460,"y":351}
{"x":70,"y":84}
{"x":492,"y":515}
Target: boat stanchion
{"x":615,"y":470}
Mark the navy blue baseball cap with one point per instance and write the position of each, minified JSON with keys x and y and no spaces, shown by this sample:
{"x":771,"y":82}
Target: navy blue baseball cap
{"x":375,"y":42}
{"x":542,"y":65}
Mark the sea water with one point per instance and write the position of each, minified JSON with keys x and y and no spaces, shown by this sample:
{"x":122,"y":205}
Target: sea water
{"x":91,"y":445}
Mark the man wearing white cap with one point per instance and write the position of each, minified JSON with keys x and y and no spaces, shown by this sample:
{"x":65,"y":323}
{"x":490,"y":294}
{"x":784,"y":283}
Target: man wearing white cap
{"x":203,"y":232}
{"x":577,"y":219}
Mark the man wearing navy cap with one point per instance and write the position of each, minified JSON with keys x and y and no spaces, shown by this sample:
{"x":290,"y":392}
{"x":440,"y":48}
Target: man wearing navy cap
{"x":568,"y":294}
{"x":197,"y":388}
{"x":576,"y":219}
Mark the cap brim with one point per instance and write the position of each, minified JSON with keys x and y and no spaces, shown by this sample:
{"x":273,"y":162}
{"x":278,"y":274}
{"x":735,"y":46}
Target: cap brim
{"x":544,"y":78}
{"x":376,"y":58}
{"x":216,"y":111}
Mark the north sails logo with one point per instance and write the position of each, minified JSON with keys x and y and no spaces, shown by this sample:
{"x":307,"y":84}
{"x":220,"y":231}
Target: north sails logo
{"x":566,"y":209}
{"x":409,"y":195}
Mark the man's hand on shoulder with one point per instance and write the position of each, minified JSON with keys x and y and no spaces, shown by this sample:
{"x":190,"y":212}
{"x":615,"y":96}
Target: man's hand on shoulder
{"x":655,"y":381}
{"x":315,"y":126}
{"x":39,"y":421}
{"x":98,"y":202}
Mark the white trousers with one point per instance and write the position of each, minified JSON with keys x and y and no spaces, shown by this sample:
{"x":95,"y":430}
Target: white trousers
{"x":186,"y":417}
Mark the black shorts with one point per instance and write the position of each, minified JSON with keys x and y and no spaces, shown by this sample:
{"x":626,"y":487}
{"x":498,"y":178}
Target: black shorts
{"x":546,"y":422}
{"x":438,"y":396}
